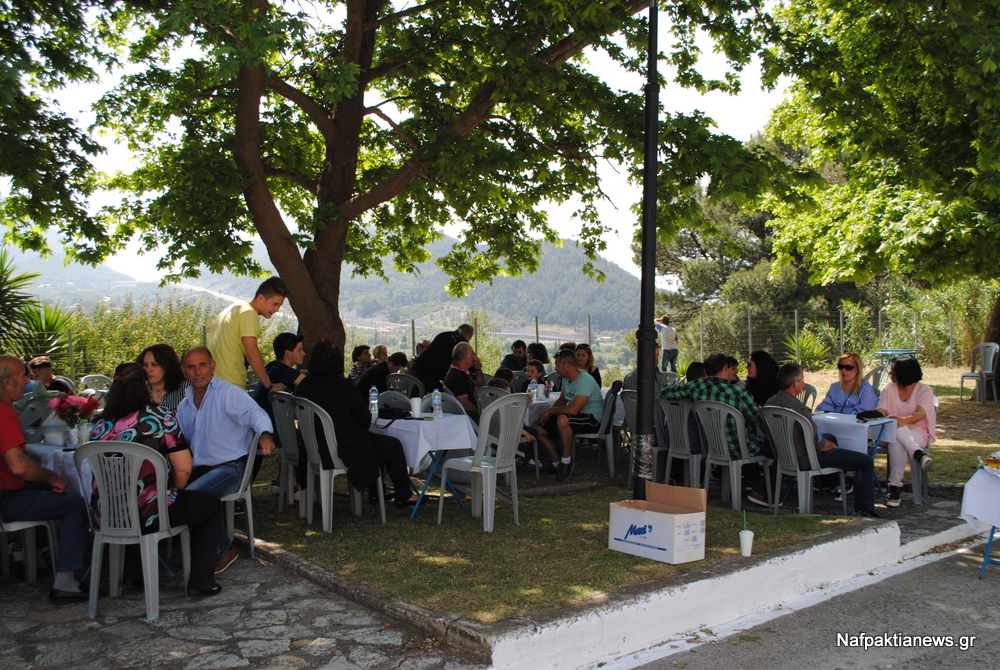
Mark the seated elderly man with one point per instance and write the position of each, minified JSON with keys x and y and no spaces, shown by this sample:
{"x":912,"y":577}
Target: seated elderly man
{"x":791,"y":380}
{"x":579,"y":409}
{"x":219,"y":419}
{"x":464,"y":376}
{"x":34,"y":493}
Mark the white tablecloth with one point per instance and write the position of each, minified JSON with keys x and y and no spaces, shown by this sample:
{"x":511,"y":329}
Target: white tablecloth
{"x":452,"y":431}
{"x":981,"y":499}
{"x":60,"y":461}
{"x":853,"y":435}
{"x":536,"y":408}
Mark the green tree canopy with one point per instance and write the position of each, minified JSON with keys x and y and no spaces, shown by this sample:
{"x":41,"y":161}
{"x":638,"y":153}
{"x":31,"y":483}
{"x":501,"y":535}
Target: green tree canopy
{"x":903,"y":95}
{"x":44,"y":156}
{"x":352,"y":131}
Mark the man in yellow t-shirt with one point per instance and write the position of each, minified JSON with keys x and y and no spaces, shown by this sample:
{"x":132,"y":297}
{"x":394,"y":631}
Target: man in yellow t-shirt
{"x":233,"y":339}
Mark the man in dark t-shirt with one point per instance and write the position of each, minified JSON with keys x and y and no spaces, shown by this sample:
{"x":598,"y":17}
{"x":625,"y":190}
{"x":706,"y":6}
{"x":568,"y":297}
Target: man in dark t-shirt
{"x":464,"y":375}
{"x":41,"y":373}
{"x":288,"y":352}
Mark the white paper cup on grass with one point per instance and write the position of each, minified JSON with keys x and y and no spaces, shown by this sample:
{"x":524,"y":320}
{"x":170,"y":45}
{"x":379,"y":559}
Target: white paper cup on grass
{"x":746,"y":542}
{"x":415,"y":407}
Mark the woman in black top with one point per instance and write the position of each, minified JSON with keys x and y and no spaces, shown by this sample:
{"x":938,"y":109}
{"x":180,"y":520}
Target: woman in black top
{"x":762,"y":377}
{"x":364,"y":453}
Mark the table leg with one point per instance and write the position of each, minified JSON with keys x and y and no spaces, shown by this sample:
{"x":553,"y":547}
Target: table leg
{"x":871,"y":454}
{"x":986,"y":557}
{"x":435,"y":469}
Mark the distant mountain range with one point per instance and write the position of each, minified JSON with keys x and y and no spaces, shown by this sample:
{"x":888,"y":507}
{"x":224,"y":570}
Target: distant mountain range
{"x":557,"y":293}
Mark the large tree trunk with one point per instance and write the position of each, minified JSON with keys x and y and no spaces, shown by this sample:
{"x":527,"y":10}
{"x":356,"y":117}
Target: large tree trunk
{"x":315,"y":280}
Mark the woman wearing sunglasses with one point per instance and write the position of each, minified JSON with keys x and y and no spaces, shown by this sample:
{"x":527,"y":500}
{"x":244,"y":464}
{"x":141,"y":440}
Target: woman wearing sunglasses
{"x":850,"y":395}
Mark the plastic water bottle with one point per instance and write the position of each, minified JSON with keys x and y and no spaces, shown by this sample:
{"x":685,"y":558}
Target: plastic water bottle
{"x":436,"y":404}
{"x":533,"y":389}
{"x":84,"y":432}
{"x":373,"y":402}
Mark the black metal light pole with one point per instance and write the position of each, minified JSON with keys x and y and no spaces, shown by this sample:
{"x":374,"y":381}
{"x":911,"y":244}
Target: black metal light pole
{"x":644,"y":438}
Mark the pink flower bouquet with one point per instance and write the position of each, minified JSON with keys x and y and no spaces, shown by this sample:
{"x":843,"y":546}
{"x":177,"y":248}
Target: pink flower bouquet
{"x":73,"y":408}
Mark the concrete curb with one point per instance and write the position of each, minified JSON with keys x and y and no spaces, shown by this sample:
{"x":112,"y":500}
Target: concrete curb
{"x":628,"y":620}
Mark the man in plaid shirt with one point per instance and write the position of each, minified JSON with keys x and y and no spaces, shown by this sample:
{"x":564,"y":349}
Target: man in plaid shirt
{"x":716,"y":386}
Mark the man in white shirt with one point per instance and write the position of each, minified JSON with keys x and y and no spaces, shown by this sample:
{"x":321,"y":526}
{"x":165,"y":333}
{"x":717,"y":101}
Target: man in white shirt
{"x":219,"y":419}
{"x":668,"y":343}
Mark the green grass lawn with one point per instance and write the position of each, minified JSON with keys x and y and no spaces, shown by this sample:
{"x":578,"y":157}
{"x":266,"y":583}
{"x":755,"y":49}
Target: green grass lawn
{"x":559,"y":553}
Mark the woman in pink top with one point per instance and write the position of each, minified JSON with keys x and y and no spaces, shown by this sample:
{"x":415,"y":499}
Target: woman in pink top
{"x":912,"y":405}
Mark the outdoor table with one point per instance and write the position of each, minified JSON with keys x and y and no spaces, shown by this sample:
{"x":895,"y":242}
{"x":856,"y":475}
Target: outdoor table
{"x":853,"y":435}
{"x":981,"y":502}
{"x":429,"y":436}
{"x":59,"y":459}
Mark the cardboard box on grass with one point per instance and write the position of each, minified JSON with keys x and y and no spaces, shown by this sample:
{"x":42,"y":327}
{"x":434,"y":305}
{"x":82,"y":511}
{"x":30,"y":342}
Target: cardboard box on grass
{"x":669,"y":526}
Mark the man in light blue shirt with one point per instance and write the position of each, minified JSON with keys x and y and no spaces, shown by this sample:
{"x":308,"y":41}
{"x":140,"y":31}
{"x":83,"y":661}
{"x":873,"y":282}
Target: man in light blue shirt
{"x":219,"y":419}
{"x":579,"y":409}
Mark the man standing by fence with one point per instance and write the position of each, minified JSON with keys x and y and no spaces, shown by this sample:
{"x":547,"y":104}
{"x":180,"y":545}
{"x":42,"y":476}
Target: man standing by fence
{"x":668,"y":343}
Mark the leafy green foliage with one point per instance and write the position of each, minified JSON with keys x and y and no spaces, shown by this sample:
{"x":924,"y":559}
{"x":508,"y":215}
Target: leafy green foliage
{"x":42,"y":152}
{"x":808,"y":349}
{"x":903,"y":95}
{"x":113,"y":333}
{"x":15,"y":301}
{"x":45,"y":331}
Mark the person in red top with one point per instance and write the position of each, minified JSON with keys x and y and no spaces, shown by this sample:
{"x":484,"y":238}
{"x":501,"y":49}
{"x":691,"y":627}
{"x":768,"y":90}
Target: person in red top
{"x":33,"y":493}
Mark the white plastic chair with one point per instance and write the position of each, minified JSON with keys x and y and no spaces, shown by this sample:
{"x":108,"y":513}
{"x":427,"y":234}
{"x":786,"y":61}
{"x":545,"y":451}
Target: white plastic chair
{"x":449,"y":404}
{"x":983,"y":359}
{"x":394,"y":399}
{"x":487,"y":394}
{"x":29,"y":543}
{"x":406,"y":384}
{"x":520,"y":381}
{"x":604,"y":433}
{"x":712,"y":417}
{"x":672,"y":378}
{"x":678,"y":412}
{"x":307,"y":412}
{"x":629,"y":399}
{"x":283,"y":409}
{"x":96,"y":382}
{"x":116,"y":468}
{"x":807,"y":396}
{"x":501,"y":425}
{"x":781,"y":424}
{"x":874,"y":377}
{"x":242,"y":493}
{"x":34,"y":415}
{"x":556,"y":381}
